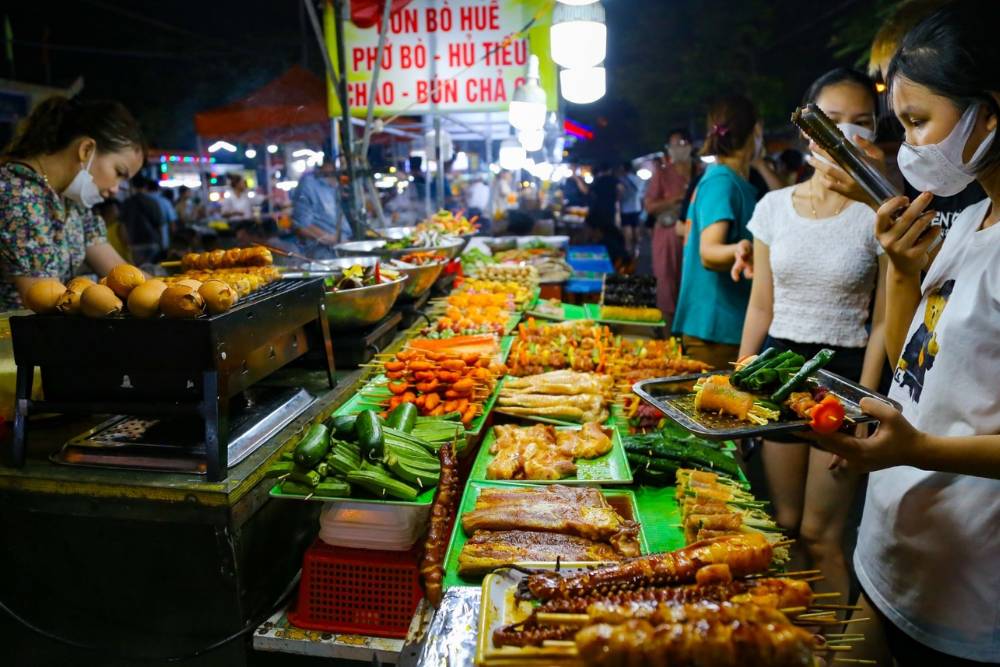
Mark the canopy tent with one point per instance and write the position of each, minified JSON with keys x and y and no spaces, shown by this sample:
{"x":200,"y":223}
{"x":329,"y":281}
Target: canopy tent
{"x":292,"y":107}
{"x":367,"y":13}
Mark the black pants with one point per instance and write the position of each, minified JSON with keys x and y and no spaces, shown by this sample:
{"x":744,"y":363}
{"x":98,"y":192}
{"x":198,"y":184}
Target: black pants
{"x":908,"y":652}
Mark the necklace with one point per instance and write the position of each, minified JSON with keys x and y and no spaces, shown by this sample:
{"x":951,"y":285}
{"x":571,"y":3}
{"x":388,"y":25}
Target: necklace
{"x":45,"y":175}
{"x":812,"y":203}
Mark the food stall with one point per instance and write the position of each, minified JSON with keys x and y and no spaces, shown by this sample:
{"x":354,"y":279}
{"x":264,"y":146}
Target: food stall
{"x":501,"y":430}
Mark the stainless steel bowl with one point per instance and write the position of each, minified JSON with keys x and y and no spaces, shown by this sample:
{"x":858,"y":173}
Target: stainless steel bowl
{"x":450,"y":246}
{"x":501,"y":243}
{"x":354,"y":308}
{"x":421,"y":278}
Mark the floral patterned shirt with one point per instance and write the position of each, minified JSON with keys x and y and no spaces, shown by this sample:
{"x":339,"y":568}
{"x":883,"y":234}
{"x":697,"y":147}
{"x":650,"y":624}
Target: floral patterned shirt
{"x":42,"y":235}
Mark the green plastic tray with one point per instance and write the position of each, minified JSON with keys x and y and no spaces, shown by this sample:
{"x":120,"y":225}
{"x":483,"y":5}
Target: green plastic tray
{"x":594,"y":313}
{"x":570,"y":312}
{"x":425,"y":498}
{"x":611,"y":468}
{"x":371,"y":394}
{"x":459,"y":538}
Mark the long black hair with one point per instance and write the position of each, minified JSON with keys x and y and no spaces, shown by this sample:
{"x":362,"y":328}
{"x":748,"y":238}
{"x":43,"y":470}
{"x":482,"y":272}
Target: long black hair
{"x":955,"y":53}
{"x":57,"y":121}
{"x":838,"y":76}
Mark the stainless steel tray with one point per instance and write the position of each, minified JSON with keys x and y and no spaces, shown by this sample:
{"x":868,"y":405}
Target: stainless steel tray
{"x":674,"y":397}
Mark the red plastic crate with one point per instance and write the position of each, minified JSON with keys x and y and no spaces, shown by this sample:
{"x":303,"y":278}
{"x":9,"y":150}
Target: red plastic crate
{"x":358,"y":591}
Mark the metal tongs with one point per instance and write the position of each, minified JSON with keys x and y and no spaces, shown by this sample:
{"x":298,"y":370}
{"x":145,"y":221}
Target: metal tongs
{"x":818,"y":127}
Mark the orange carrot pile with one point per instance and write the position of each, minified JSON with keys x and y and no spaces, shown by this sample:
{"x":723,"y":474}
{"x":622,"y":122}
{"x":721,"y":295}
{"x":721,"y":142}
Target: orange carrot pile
{"x":440,"y":382}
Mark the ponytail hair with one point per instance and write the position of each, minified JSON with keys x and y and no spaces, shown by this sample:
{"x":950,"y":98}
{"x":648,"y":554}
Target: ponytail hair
{"x":731,"y":121}
{"x":55,"y":123}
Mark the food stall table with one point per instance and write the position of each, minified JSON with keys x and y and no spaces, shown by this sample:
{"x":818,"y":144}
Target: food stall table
{"x":149,"y":564}
{"x":589,"y":264}
{"x":276,"y":634}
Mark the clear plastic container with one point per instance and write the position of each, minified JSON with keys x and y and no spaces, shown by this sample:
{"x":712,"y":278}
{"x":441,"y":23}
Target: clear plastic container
{"x":361,"y":525}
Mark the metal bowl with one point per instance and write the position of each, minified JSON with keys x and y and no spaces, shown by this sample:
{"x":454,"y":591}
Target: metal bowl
{"x":501,"y":243}
{"x":450,"y":246}
{"x":355,"y":308}
{"x":421,"y":278}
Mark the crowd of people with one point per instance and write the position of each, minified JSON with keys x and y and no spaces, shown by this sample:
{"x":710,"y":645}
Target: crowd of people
{"x":749,"y":252}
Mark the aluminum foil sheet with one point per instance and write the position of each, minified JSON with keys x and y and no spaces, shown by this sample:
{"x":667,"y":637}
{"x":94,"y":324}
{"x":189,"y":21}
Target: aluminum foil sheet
{"x":451,"y":638}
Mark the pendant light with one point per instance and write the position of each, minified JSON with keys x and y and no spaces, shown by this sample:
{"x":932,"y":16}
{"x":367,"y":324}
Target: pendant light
{"x":579,"y":35}
{"x":527,"y":107}
{"x":512,"y":154}
{"x":532,"y":140}
{"x":583,"y":85}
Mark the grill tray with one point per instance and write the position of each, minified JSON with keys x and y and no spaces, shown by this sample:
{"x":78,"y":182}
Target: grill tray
{"x":162,"y":367}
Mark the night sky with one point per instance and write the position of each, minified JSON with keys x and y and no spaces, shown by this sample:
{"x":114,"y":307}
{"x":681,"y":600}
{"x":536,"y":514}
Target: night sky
{"x":166,"y":60}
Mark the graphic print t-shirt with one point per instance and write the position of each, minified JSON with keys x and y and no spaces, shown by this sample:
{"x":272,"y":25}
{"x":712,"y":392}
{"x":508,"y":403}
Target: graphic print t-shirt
{"x":949,"y":208}
{"x":929,"y":543}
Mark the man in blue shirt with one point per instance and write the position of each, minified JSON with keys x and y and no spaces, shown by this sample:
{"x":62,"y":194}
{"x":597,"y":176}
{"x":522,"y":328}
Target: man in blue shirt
{"x":315,"y":206}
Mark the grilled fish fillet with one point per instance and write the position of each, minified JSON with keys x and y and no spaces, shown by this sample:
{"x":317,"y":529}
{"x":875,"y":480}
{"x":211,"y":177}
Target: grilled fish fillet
{"x":487,"y":550}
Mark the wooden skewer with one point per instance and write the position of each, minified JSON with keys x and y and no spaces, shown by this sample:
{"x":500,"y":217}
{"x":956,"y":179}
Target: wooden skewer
{"x":845,"y":635}
{"x":837,"y":622}
{"x":856,"y":661}
{"x":828,"y":647}
{"x":170,"y":263}
{"x":783,"y":543}
{"x":559,"y":643}
{"x":826,"y":595}
{"x":808,"y":579}
{"x":839,"y":640}
{"x":792,"y":610}
{"x":794,"y":573}
{"x":815,"y":614}
{"x":851,"y":607}
{"x":549,"y":618}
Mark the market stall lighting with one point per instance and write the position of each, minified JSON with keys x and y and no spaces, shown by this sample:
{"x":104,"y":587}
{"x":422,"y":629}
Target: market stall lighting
{"x":272,"y":149}
{"x":644,"y":174}
{"x":250,"y":153}
{"x":222,"y":146}
{"x":527,"y":108}
{"x":576,"y":2}
{"x":286,"y":185}
{"x":583,"y":85}
{"x":186,"y":181}
{"x":561,"y":172}
{"x":251,"y":194}
{"x":543,"y":171}
{"x":532,"y":140}
{"x":511,"y":154}
{"x":495,"y":168}
{"x":298,"y":166}
{"x":578,"y":36}
{"x":461,"y":162}
{"x":213,"y":196}
{"x":708,"y":159}
{"x":588,"y":179}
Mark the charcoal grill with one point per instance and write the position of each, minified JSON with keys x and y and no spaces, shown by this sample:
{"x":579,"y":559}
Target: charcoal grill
{"x":164,"y":367}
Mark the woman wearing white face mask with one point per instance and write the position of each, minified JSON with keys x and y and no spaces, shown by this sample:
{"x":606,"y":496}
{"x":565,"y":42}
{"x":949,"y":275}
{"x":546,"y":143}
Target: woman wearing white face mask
{"x":67,"y":157}
{"x":816,"y":266}
{"x":929,"y":543}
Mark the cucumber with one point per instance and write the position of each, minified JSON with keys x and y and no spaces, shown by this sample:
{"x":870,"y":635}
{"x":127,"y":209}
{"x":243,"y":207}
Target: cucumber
{"x":343,"y":425}
{"x":333,"y":489}
{"x":279,"y":468}
{"x":368,"y":432}
{"x":422,"y":478}
{"x":313,"y":446}
{"x":382,"y":485}
{"x":403,"y":418}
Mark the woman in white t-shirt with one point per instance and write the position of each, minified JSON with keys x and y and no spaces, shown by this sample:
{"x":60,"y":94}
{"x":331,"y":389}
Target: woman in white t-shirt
{"x":928,"y":555}
{"x":816,"y":267}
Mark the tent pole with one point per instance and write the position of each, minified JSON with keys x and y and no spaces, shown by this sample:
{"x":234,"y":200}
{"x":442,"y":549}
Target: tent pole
{"x":202,"y":173}
{"x":267,"y":178}
{"x":439,"y":151}
{"x":355,"y":201}
{"x":386,"y":12}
